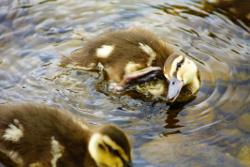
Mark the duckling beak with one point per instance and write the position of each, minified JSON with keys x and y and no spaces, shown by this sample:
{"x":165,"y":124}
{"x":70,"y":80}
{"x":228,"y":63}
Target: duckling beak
{"x":174,"y":89}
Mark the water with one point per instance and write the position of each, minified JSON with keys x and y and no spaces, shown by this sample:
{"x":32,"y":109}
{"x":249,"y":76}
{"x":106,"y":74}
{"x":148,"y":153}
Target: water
{"x":211,"y":130}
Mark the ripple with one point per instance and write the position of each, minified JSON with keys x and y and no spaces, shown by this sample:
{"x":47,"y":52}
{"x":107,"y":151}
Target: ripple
{"x":34,"y":35}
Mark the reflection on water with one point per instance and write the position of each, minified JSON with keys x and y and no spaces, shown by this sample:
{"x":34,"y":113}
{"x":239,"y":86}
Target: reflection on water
{"x":211,"y":130}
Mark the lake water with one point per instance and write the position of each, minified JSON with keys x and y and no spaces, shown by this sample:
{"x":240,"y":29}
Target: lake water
{"x":211,"y":130}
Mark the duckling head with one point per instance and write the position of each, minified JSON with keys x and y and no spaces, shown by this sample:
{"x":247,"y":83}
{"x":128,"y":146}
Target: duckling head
{"x":180,"y":71}
{"x":110,"y":147}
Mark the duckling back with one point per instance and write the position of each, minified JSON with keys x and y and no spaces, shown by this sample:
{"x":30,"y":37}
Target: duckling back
{"x":121,"y":52}
{"x":38,"y":135}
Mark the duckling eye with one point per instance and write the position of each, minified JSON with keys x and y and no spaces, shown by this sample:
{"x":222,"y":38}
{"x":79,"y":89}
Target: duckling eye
{"x":178,"y":65}
{"x":113,"y":151}
{"x":116,"y":152}
{"x":101,"y":147}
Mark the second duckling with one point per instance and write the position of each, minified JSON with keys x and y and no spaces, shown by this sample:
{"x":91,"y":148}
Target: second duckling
{"x":132,"y":55}
{"x":35,"y":135}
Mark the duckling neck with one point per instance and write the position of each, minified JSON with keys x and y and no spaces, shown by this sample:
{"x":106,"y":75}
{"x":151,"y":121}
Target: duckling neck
{"x":189,"y":90}
{"x":195,"y":85}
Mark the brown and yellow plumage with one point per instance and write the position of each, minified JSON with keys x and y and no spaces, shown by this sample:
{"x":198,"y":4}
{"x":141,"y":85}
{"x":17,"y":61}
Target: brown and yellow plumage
{"x":41,"y":136}
{"x":130,"y":54}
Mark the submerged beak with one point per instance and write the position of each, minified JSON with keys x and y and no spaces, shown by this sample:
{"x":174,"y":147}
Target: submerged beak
{"x":174,"y":89}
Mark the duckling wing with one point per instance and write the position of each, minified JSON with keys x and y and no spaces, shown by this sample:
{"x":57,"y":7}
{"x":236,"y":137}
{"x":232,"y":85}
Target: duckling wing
{"x":136,"y":77}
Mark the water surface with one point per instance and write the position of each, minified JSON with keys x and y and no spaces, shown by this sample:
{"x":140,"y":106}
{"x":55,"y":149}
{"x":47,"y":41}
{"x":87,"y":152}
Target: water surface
{"x":211,"y":130}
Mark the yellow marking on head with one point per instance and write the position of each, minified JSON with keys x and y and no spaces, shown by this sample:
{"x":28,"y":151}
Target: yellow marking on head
{"x":104,"y":51}
{"x":150,"y":52}
{"x":195,"y":85}
{"x":131,"y":67}
{"x":168,"y":74}
{"x":187,"y":71}
{"x":100,"y":152}
{"x":111,"y":143}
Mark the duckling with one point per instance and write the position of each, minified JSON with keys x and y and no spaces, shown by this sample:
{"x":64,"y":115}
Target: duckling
{"x":131,"y":55}
{"x":238,"y":8}
{"x":36,"y":135}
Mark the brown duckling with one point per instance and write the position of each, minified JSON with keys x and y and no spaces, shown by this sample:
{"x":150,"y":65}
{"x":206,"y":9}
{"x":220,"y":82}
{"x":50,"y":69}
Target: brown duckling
{"x":130,"y":54}
{"x":239,"y":8}
{"x":35,"y":135}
